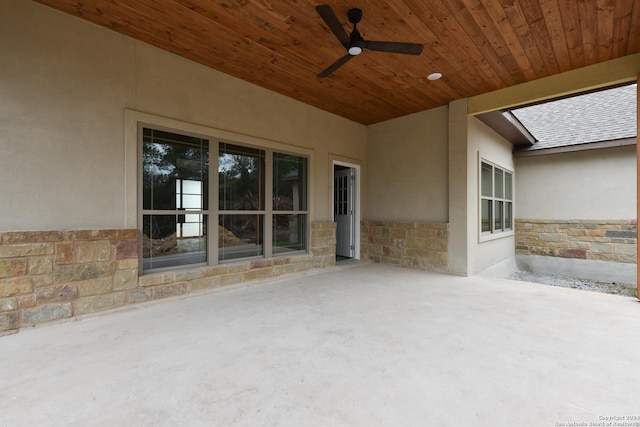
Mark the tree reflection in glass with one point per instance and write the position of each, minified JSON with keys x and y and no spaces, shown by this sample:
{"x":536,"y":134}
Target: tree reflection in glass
{"x":174,"y":200}
{"x":241,"y":174}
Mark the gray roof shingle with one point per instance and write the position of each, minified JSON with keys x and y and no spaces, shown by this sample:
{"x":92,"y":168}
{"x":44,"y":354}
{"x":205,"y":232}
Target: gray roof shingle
{"x":599,"y":116}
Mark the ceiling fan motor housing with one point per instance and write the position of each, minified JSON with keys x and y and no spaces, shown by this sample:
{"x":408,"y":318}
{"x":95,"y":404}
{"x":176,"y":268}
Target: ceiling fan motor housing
{"x":356,"y":43}
{"x":354,"y":15}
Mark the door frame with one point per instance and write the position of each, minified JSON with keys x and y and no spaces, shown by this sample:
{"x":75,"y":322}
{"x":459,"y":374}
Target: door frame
{"x":356,"y":199}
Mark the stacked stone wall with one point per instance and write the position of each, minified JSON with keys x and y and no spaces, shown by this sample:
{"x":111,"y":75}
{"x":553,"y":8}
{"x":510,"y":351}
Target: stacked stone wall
{"x":614,"y":241}
{"x":323,"y":244}
{"x":422,"y":246}
{"x":57,"y":274}
{"x":53,"y":275}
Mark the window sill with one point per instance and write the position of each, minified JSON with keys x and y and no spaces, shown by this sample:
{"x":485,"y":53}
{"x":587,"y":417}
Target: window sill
{"x":494,"y":236}
{"x":238,"y":265}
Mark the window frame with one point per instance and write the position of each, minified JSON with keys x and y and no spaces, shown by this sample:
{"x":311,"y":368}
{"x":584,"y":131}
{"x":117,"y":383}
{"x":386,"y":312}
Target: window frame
{"x":142,"y":212}
{"x":136,"y":121}
{"x":299,"y":211}
{"x":260,"y":212}
{"x":494,"y":232}
{"x":268,"y":212}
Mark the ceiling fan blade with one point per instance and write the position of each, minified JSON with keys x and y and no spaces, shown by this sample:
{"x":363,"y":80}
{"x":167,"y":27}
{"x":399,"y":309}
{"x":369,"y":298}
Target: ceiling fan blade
{"x":339,"y":63}
{"x":395,"y":47}
{"x":330,"y":18}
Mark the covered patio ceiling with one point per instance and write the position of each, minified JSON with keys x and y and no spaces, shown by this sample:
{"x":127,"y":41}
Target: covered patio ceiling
{"x":478,"y":45}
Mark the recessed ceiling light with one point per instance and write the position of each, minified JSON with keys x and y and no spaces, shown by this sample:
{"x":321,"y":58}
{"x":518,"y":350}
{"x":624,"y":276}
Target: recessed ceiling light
{"x":434,"y":76}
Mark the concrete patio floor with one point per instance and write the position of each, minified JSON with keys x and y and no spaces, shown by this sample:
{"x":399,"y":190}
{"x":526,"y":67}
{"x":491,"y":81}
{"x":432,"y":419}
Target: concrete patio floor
{"x":364,"y":345}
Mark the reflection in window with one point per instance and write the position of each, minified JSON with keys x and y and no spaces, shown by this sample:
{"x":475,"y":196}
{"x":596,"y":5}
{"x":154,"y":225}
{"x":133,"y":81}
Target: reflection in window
{"x":486,"y":180}
{"x":499,"y":183}
{"x":241,"y":175}
{"x":240,"y":236}
{"x":290,"y":201}
{"x":189,"y":198}
{"x":161,"y":246}
{"x":289,"y":233}
{"x":498,"y":221}
{"x":175,"y":176}
{"x":256,"y":189}
{"x":486,"y":215}
{"x":289,"y":182}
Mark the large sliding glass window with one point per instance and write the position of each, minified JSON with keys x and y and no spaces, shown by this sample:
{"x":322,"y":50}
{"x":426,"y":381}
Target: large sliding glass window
{"x":174,"y":199}
{"x":496,"y":199}
{"x":262,"y":205}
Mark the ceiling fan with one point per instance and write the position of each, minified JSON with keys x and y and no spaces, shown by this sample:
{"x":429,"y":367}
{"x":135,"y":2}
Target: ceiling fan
{"x":354,"y":43}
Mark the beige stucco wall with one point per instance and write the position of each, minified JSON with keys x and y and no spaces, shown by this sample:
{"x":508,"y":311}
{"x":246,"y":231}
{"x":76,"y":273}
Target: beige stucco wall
{"x":460,"y":192}
{"x":469,"y":141}
{"x":485,"y":143}
{"x":595,"y":184}
{"x":407,"y":168}
{"x":65,"y":85}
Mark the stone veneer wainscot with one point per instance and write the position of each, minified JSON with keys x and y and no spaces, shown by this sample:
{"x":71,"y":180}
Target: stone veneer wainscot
{"x":599,"y":240}
{"x":407,"y":244}
{"x":52,"y":275}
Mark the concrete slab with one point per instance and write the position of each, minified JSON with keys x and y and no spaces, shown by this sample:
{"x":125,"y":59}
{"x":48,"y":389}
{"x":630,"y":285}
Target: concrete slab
{"x":367,"y":345}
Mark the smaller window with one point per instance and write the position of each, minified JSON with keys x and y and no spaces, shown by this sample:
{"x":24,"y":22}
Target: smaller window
{"x":496,"y":199}
{"x":289,"y":203}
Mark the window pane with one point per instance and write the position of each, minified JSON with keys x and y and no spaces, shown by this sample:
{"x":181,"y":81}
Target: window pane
{"x":499,"y":183}
{"x":191,"y":187}
{"x":190,"y":201}
{"x":192,"y":218}
{"x":241,"y":173}
{"x":167,"y":160}
{"x":336,"y":196}
{"x":289,"y":233}
{"x":508,"y":186}
{"x":487,"y":182}
{"x":508,"y":216}
{"x":486,"y":215}
{"x":498,"y":215}
{"x":166,"y":242}
{"x":240,"y":236}
{"x":289,"y":182}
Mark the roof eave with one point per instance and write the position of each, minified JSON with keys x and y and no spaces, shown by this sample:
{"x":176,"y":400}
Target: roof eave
{"x":530,"y":151}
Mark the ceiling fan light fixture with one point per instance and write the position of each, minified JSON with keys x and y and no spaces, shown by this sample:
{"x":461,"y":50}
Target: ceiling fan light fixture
{"x":355,"y":50}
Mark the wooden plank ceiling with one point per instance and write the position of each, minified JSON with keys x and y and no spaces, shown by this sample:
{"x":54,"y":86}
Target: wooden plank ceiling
{"x":478,"y":45}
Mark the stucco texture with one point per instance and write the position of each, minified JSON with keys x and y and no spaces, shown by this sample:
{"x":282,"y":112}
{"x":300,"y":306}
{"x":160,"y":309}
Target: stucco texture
{"x":407,"y":168}
{"x":486,"y":144}
{"x":66,"y":84}
{"x":595,"y":184}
